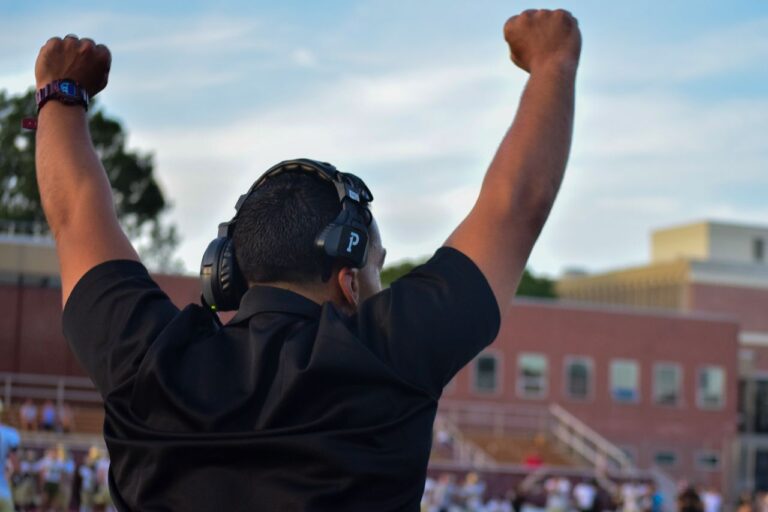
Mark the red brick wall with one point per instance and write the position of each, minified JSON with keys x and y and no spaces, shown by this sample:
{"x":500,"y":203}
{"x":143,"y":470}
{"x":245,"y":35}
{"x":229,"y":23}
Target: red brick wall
{"x":748,"y":305}
{"x":603,"y":334}
{"x":31,"y":340}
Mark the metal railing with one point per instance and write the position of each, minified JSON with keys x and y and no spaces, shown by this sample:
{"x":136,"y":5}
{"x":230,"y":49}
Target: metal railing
{"x":20,"y":386}
{"x":583,"y":440}
{"x":499,"y":418}
{"x":465,"y":452}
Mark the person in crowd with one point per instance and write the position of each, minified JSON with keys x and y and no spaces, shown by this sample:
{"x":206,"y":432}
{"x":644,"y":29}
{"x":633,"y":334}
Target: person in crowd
{"x":657,"y":499}
{"x":9,"y":443}
{"x":57,"y":470}
{"x":712,"y":499}
{"x":499,"y":503}
{"x":629,"y":496}
{"x":558,"y":494}
{"x":306,"y":253}
{"x":102,"y":499}
{"x":48,"y":416}
{"x":87,"y":473}
{"x":472,"y":491}
{"x":28,"y":415}
{"x":27,"y":490}
{"x":689,"y":500}
{"x":65,"y":418}
{"x":585,"y":495}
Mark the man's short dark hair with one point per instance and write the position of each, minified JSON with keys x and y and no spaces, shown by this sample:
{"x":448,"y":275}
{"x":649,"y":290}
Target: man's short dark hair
{"x":276,"y":228}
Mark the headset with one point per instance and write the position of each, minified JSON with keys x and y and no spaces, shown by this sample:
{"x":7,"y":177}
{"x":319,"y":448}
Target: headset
{"x":345,"y":239}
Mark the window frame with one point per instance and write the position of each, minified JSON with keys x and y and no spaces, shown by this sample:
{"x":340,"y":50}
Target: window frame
{"x":654,"y":390}
{"x":590,"y":363}
{"x":658,"y":451}
{"x":638,"y":387}
{"x":499,"y":373}
{"x":710,"y":469}
{"x":519,"y":381}
{"x":699,"y":403}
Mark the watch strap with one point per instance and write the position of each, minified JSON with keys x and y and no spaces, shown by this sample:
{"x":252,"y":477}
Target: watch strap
{"x":65,"y":91}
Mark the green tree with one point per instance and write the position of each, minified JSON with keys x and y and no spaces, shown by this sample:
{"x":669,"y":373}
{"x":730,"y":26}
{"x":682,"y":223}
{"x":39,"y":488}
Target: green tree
{"x":139,"y":201}
{"x":530,"y":285}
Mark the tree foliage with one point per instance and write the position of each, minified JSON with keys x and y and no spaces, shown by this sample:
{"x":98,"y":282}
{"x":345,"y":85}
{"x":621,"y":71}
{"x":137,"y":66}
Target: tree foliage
{"x":139,"y":201}
{"x":530,"y":285}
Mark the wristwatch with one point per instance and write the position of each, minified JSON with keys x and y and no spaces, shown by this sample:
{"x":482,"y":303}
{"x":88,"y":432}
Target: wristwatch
{"x":66,"y":91}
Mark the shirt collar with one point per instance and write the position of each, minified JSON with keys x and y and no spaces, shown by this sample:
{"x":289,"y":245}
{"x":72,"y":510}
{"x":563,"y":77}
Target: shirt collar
{"x":268,"y":299}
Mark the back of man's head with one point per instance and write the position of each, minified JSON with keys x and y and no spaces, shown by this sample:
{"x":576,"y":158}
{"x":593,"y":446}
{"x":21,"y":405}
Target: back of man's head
{"x":274,"y":237}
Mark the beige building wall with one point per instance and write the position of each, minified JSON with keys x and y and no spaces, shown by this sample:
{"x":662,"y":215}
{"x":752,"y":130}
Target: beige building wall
{"x":28,"y":255}
{"x":654,"y":286}
{"x":711,"y":241}
{"x":682,"y":242}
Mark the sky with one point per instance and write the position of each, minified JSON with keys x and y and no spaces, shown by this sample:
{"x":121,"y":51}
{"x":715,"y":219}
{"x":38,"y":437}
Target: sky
{"x":671,"y":109}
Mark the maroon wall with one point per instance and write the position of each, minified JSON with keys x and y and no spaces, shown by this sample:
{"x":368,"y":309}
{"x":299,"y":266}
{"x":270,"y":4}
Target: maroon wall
{"x":31,"y":340}
{"x":747,"y":305}
{"x":557,"y":331}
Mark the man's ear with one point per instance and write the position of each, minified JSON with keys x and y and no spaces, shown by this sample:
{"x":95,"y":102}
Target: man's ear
{"x":349,"y":283}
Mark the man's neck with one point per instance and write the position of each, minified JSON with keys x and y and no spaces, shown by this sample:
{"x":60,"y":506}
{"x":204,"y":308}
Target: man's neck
{"x":316,"y":293}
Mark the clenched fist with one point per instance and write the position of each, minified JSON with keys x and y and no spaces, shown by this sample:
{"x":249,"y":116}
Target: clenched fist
{"x":81,"y":60}
{"x":539,"y":37}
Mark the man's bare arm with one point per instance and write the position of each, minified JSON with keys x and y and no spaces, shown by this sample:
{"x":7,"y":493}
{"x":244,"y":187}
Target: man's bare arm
{"x":522,"y":181}
{"x":75,"y":192}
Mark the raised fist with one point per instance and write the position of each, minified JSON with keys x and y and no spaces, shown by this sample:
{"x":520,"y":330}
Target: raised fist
{"x":538,"y":37}
{"x":81,"y":60}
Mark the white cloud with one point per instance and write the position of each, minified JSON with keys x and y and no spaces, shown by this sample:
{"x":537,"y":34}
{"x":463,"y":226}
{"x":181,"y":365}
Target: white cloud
{"x":304,"y":57}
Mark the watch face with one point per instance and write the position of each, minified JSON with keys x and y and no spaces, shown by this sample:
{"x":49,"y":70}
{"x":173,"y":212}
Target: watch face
{"x":68,"y":87}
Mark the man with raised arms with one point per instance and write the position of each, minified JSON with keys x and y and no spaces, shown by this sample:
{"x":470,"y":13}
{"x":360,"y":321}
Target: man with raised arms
{"x":321,"y":392}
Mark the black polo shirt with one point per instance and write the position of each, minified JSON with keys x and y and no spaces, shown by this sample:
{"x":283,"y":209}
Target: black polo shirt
{"x":291,"y":406}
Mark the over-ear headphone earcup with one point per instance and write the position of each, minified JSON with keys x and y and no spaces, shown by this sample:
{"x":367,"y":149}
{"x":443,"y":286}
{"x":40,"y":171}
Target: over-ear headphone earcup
{"x":344,"y":242}
{"x":223,"y":284}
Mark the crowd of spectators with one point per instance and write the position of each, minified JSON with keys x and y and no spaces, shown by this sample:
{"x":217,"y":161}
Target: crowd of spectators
{"x":447,"y":493}
{"x":52,"y":481}
{"x":47,"y":417}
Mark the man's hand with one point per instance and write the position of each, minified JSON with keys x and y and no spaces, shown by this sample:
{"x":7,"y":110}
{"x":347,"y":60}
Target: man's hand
{"x":81,"y":60}
{"x":538,"y":37}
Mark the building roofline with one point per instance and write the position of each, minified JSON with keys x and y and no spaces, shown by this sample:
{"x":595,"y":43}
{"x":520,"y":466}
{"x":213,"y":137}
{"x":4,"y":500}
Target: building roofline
{"x":621,"y":309}
{"x":713,"y":222}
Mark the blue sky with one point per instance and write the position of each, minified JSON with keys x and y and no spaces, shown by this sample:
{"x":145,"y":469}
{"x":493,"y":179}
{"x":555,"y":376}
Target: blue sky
{"x":672,"y":109}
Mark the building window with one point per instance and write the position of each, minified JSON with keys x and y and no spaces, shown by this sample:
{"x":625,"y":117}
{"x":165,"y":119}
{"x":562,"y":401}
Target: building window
{"x":707,"y":461}
{"x":532,"y":376}
{"x":625,"y":380}
{"x":578,"y":377}
{"x":665,"y":459}
{"x":666,"y":384}
{"x":711,"y":388}
{"x":486,"y":373}
{"x":758,"y":250}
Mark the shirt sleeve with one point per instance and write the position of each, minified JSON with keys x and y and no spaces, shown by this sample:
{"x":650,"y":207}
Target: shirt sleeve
{"x":111,"y":318}
{"x":10,"y":438}
{"x":431,"y":322}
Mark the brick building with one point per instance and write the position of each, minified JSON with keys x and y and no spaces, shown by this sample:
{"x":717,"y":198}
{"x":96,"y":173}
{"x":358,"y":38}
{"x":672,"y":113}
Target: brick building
{"x":712,"y":267}
{"x":656,"y":380}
